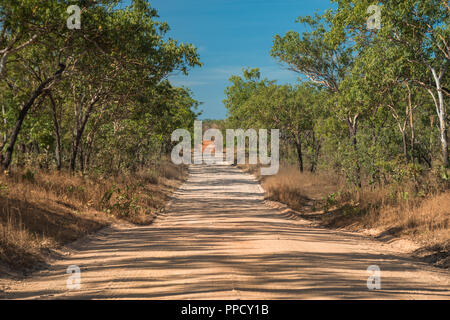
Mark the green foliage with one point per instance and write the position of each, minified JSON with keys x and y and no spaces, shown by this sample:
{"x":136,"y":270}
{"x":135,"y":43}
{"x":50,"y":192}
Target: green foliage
{"x":112,"y":108}
{"x":330,"y":201}
{"x":371,"y":104}
{"x":123,"y":202}
{"x":4,"y":190}
{"x":444,"y":174}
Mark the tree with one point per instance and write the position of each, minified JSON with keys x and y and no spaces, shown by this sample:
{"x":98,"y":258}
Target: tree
{"x":420,"y":29}
{"x":117,"y":54}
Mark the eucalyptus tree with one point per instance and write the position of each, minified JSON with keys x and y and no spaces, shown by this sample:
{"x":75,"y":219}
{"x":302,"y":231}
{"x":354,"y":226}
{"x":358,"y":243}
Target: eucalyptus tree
{"x":312,"y":54}
{"x":421,"y":31}
{"x":242,"y":112}
{"x":324,"y":59}
{"x":40,"y":79}
{"x":255,"y":103}
{"x":116,"y":53}
{"x":35,"y":28}
{"x":23,"y":24}
{"x":134,"y":53}
{"x":137,"y":132}
{"x":293,"y":110}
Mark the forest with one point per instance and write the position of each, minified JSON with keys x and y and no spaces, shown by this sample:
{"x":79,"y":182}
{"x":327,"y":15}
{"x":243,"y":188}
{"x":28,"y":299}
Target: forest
{"x":93,"y":98}
{"x":368,"y":115}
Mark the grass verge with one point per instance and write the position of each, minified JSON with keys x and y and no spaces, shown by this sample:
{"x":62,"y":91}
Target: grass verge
{"x":383,"y":212}
{"x":41,"y":211}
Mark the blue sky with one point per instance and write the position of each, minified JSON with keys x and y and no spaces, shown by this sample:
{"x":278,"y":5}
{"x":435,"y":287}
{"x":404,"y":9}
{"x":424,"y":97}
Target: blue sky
{"x":230,"y":35}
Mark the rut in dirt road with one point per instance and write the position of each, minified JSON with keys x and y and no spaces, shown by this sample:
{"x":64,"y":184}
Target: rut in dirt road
{"x":219,"y":240}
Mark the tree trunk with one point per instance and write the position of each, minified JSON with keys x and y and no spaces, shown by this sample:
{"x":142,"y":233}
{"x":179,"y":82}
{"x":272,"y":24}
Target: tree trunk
{"x":5,"y":123}
{"x":79,"y":130}
{"x":411,"y":123}
{"x":88,"y":149}
{"x":298,"y":145}
{"x":75,"y":147}
{"x":442,"y":114}
{"x":353,"y":127}
{"x":23,"y":112}
{"x":87,"y":157}
{"x":81,"y":157}
{"x":443,"y":131}
{"x":317,"y":144}
{"x":4,"y":140}
{"x":57,"y":133}
{"x":405,"y":147}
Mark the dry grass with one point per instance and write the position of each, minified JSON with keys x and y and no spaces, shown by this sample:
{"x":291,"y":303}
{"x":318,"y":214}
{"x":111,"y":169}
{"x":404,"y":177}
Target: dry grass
{"x":393,"y":210}
{"x":426,"y":219}
{"x":295,"y":189}
{"x":40,"y":211}
{"x":29,"y":230}
{"x":423,"y":219}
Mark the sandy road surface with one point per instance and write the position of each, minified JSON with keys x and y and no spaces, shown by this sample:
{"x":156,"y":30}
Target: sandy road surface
{"x":220,"y":241}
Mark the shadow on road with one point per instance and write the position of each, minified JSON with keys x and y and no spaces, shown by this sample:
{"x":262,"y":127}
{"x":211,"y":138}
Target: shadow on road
{"x":219,"y":240}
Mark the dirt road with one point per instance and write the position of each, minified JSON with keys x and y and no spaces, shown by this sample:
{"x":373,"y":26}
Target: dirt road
{"x":220,"y":241}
